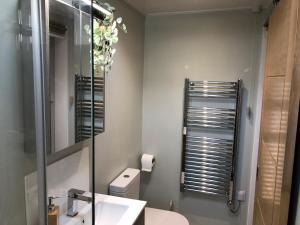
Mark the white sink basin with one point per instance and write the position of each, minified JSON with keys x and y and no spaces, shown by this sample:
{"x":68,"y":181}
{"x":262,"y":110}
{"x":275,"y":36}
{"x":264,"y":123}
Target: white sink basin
{"x":107,"y":214}
{"x":109,"y":210}
{"x":105,"y":210}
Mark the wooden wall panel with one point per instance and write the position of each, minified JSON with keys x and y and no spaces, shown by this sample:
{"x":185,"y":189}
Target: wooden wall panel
{"x":289,"y":118}
{"x":278,"y":34}
{"x":269,"y":144}
{"x":279,"y":115}
{"x":258,"y":220}
{"x":266,"y":186}
{"x":272,"y":113}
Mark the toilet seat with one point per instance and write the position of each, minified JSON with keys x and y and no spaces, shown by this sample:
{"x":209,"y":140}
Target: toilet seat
{"x":163,"y":217}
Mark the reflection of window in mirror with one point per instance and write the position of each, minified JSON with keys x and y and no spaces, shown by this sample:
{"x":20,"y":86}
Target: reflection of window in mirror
{"x":61,"y":82}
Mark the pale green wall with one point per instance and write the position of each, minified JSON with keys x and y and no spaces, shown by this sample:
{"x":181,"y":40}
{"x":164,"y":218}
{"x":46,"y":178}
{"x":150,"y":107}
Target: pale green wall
{"x":12,"y":157}
{"x":121,"y":144}
{"x":209,"y":46}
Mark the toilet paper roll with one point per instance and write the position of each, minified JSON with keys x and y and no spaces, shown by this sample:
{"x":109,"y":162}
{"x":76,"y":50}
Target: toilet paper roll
{"x":148,"y":162}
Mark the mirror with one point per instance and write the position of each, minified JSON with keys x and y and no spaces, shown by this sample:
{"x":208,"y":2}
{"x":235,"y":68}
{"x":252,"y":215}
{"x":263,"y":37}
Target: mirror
{"x":69,"y":57}
{"x":68,"y":85}
{"x":69,"y":82}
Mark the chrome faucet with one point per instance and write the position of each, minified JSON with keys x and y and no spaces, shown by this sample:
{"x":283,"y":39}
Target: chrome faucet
{"x":75,"y":194}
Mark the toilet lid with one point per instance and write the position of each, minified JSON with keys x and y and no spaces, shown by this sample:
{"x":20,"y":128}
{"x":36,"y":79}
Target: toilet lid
{"x":163,"y":217}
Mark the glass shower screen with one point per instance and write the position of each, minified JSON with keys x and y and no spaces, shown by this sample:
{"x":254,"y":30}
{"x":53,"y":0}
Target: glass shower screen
{"x":50,"y":110}
{"x":58,"y":100}
{"x":69,"y":111}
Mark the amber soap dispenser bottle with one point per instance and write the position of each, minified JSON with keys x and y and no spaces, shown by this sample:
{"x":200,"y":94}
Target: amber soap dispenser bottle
{"x":53,"y":212}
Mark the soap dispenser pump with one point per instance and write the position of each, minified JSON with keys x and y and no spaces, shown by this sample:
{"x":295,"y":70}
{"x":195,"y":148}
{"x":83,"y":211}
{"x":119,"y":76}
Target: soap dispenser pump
{"x":53,"y":212}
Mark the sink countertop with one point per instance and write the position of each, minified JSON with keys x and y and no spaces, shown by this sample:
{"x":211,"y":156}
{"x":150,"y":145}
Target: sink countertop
{"x":135,"y":207}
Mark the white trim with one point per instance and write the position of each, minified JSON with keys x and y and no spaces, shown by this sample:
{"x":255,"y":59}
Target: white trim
{"x":254,"y":160}
{"x":98,"y":7}
{"x":201,"y":11}
{"x":88,"y":2}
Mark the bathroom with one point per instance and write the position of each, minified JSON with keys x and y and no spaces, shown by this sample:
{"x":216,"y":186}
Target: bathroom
{"x":78,"y":138}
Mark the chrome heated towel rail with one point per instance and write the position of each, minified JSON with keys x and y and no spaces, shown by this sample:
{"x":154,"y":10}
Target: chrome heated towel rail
{"x":83,"y":106}
{"x":210,"y":138}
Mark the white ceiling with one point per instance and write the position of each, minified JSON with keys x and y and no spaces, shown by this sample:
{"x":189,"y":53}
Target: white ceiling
{"x":181,"y":6}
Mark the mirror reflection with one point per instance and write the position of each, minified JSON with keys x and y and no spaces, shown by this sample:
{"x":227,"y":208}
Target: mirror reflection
{"x":69,"y":60}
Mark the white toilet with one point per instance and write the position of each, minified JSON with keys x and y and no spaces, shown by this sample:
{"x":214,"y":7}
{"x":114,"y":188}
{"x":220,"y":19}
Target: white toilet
{"x":127,"y":185}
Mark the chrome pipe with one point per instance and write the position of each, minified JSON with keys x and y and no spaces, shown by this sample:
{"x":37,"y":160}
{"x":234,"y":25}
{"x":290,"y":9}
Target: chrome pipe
{"x":212,"y":91}
{"x":210,"y":126}
{"x":205,"y":163}
{"x":203,"y":142}
{"x":187,"y":188}
{"x":206,"y":180}
{"x":205,"y":189}
{"x":210,"y":118}
{"x":227,"y":153}
{"x":214,"y":175}
{"x":207,"y":119}
{"x":213,"y":82}
{"x":208,"y":111}
{"x":222,"y":187}
{"x":213,"y":86}
{"x":211,"y":139}
{"x":203,"y":159}
{"x":211,"y":96}
{"x":205,"y":176}
{"x":221,"y":170}
{"x":209,"y":156}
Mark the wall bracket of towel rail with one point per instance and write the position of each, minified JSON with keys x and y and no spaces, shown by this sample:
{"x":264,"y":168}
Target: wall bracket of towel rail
{"x":83,"y":106}
{"x":210,"y":138}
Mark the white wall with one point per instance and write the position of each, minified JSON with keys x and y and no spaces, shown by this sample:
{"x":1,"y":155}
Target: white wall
{"x":120,"y":146}
{"x":213,"y":46}
{"x":257,"y":120}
